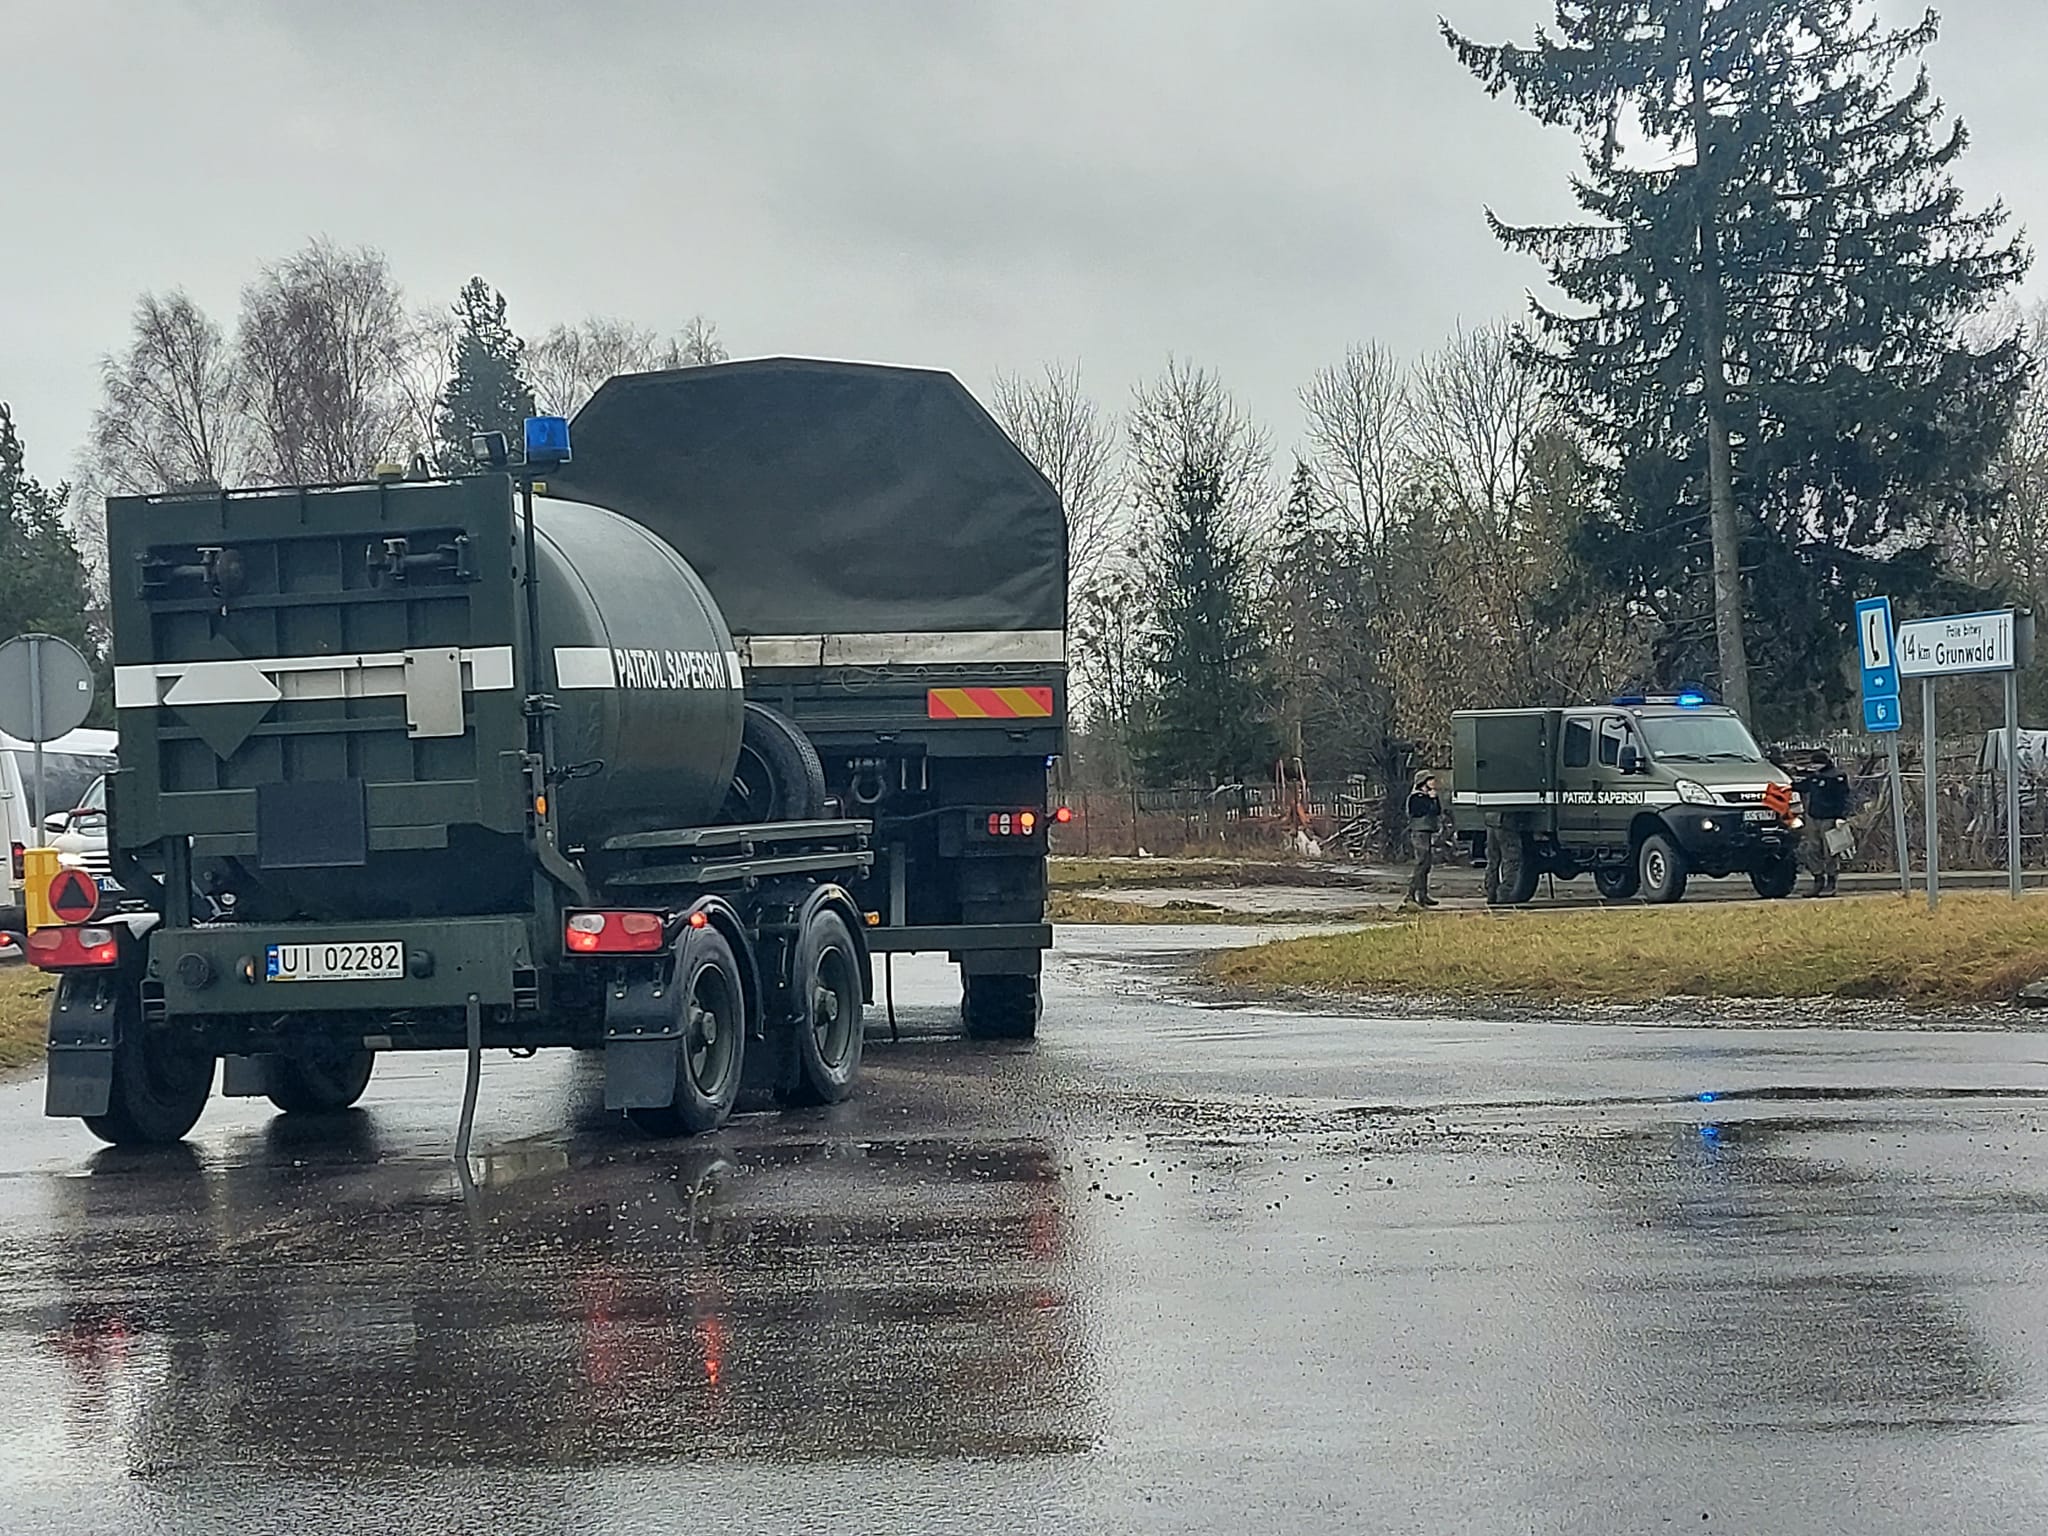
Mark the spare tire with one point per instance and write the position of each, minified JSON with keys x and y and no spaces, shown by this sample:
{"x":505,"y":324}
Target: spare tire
{"x":778,"y":776}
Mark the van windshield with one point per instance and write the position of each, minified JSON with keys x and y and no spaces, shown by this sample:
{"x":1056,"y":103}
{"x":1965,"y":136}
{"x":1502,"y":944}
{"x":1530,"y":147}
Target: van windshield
{"x":66,"y":776}
{"x":1700,"y":739}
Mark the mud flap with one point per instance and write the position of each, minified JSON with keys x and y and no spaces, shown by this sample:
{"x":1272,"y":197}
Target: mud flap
{"x":245,"y":1077}
{"x":643,"y":1038}
{"x":82,"y":1025}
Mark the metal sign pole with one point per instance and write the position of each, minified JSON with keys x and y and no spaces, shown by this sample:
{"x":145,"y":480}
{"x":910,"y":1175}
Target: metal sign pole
{"x":2012,"y":781}
{"x":1927,"y":793}
{"x":35,"y":689}
{"x":1891,"y":752}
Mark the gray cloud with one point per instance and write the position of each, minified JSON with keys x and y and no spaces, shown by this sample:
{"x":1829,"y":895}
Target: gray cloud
{"x":973,"y":185}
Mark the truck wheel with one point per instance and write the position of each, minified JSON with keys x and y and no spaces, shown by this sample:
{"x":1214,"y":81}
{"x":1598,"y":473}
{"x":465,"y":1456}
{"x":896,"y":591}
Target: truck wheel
{"x":1778,"y":879}
{"x":828,"y":1025}
{"x":708,"y":1059}
{"x":330,"y":1079}
{"x":159,"y":1087}
{"x":1618,"y":882}
{"x":778,"y":776}
{"x":1000,"y":1007}
{"x":1519,"y":871}
{"x":1662,"y":869}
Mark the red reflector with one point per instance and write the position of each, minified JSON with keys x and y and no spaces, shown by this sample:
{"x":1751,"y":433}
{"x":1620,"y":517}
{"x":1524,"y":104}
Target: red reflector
{"x":1063,"y":815}
{"x":69,"y":949}
{"x":994,"y":829}
{"x":612,"y":933}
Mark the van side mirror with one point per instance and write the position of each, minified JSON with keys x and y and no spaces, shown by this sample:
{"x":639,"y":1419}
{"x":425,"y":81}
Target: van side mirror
{"x":1631,"y":760}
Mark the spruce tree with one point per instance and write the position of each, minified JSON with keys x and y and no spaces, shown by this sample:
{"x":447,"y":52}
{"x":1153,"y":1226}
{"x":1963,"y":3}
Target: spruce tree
{"x":486,"y":390}
{"x":1209,"y":719}
{"x":1763,"y":333}
{"x":1323,"y":638}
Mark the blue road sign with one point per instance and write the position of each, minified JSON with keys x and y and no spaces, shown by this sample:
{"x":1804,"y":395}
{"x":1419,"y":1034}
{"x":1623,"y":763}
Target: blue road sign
{"x":1874,"y":641}
{"x":1879,"y":655}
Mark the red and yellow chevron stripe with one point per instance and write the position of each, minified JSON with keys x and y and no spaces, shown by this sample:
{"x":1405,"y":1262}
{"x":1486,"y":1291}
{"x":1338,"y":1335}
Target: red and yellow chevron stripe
{"x":988,"y":704}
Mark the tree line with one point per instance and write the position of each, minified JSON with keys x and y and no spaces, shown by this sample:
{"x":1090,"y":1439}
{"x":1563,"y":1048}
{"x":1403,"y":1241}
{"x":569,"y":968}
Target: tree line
{"x":1778,"y":367}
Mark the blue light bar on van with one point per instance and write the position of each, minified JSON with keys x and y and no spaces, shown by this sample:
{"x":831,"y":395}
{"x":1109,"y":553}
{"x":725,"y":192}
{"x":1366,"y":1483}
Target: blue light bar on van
{"x":1691,"y":700}
{"x":547,"y":440}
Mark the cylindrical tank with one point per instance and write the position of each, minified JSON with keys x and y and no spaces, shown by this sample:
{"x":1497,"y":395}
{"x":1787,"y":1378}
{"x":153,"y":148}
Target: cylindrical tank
{"x":645,"y":673}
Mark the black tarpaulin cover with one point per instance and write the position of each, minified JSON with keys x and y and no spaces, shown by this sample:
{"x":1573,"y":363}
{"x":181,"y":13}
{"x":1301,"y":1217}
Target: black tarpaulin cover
{"x":829,"y":498}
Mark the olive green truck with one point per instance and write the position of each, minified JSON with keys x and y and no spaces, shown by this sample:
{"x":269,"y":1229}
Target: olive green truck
{"x":1642,"y":794}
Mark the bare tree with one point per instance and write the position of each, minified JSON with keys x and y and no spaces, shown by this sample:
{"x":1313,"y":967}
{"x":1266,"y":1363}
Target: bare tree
{"x":568,"y":363}
{"x":323,"y":342}
{"x":1185,"y":420}
{"x":1477,"y":412}
{"x":169,"y":414}
{"x":1073,"y":444}
{"x":426,"y":362}
{"x":1361,"y":449}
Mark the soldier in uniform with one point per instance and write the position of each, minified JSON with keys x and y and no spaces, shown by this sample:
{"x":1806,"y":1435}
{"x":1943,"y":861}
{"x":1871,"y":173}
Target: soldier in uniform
{"x":1425,"y":824}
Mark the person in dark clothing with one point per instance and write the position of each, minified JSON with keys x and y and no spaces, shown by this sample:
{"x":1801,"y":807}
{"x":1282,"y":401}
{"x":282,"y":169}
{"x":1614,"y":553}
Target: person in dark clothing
{"x":1825,"y":790}
{"x":1425,"y":824}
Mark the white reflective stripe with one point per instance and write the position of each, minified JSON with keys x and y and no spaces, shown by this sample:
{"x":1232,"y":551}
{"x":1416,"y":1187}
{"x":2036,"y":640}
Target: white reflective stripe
{"x":585,"y":666}
{"x":1468,"y":797}
{"x":734,"y":670}
{"x":910,"y":648}
{"x":264,"y":679}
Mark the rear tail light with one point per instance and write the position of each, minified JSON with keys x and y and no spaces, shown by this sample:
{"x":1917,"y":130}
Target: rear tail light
{"x":20,"y":861}
{"x":613,"y":933}
{"x":1012,"y":823}
{"x":72,"y":949}
{"x":1063,"y":815}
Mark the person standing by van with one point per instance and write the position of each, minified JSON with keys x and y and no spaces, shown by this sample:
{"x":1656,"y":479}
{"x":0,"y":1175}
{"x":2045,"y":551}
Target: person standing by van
{"x":1825,"y":790}
{"x":1425,"y":825}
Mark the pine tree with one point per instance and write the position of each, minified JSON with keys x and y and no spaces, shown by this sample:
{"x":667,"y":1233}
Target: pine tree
{"x":43,"y":584}
{"x":1208,"y":721}
{"x":1767,"y":297}
{"x":486,"y":391}
{"x":1323,"y":638}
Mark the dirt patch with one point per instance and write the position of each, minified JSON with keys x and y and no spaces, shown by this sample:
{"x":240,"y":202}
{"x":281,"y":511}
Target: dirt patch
{"x":24,"y":1016}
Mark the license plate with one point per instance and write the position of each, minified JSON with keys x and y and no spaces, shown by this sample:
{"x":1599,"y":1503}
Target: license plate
{"x":1763,"y":815}
{"x":362,"y":960}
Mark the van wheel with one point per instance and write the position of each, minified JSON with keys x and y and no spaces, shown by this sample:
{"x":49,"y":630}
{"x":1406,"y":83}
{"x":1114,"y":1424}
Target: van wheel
{"x":160,"y":1087}
{"x":827,"y":1022}
{"x":321,"y":1083}
{"x":1519,"y":871}
{"x":1776,"y":880}
{"x":1662,"y":869}
{"x":709,"y":1056}
{"x":1618,"y":882}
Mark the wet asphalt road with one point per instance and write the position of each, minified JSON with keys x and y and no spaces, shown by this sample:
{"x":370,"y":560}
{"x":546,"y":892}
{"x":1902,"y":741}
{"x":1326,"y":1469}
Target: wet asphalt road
{"x":1178,"y":1268}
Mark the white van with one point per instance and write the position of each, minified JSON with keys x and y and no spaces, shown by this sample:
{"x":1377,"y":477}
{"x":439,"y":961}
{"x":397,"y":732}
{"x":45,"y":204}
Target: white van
{"x":70,"y":765}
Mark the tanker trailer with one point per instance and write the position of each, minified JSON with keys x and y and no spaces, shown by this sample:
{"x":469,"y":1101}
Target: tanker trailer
{"x":895,"y":573}
{"x":405,"y":769}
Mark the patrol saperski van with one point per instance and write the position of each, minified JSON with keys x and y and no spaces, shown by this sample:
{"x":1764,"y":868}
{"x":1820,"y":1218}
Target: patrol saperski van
{"x":1642,"y":794}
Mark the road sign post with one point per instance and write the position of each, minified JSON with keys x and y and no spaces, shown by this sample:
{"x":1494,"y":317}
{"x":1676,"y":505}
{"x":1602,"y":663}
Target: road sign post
{"x":45,"y":692}
{"x":1957,"y":645}
{"x":1881,"y":713}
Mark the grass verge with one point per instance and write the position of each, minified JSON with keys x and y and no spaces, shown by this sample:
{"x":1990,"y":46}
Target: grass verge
{"x":24,"y":1015}
{"x":1978,"y":949}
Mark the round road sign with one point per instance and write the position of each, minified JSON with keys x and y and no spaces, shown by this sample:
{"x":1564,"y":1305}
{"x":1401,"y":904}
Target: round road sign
{"x":45,"y":688}
{"x":74,"y":896}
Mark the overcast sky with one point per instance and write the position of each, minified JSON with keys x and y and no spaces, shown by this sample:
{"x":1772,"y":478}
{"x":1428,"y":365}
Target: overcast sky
{"x":969,"y":184}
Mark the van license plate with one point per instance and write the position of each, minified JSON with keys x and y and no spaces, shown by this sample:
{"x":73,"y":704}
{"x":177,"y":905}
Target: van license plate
{"x":1763,"y":815}
{"x":367,"y":960}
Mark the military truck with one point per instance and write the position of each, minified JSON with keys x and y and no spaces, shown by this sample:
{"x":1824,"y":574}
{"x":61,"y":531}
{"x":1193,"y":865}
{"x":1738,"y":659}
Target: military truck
{"x":895,"y":574}
{"x":459,"y":764}
{"x":1642,"y":794}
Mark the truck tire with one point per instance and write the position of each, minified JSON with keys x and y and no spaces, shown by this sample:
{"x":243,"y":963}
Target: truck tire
{"x":158,"y":1090}
{"x":778,"y":776}
{"x":710,"y":1056}
{"x":1618,"y":882}
{"x":1662,"y":868}
{"x":1519,"y":871}
{"x":829,"y":1030}
{"x":322,"y":1083}
{"x":1778,"y":879}
{"x":1001,"y":1007}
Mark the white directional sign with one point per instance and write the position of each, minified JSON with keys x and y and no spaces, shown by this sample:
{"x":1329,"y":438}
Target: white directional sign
{"x":1963,"y":642}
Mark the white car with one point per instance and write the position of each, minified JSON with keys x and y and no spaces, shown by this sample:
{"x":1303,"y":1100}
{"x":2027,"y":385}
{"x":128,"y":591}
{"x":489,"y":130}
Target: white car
{"x":80,"y":834}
